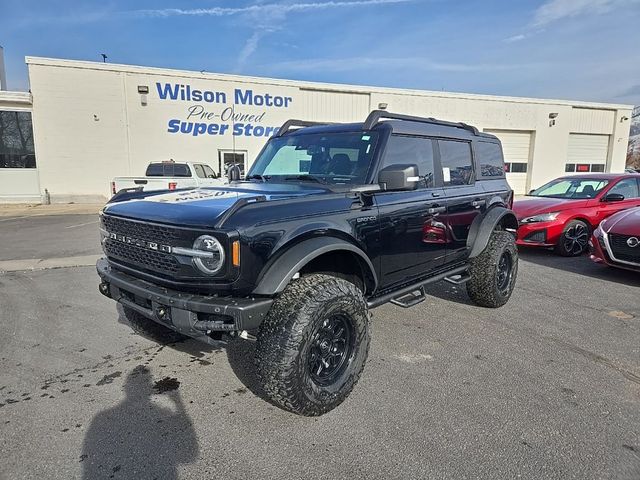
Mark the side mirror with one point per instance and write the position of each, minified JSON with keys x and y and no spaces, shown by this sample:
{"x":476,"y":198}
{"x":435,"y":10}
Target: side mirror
{"x":531,"y":191}
{"x":399,"y":177}
{"x":613,"y":197}
{"x":233,"y":174}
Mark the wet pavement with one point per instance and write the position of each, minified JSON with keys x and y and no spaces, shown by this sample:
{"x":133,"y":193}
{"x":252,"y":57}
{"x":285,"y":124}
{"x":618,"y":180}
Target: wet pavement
{"x":546,"y":387}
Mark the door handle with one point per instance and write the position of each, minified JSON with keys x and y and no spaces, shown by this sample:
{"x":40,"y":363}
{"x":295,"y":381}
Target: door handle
{"x":434,"y":210}
{"x":478,"y":203}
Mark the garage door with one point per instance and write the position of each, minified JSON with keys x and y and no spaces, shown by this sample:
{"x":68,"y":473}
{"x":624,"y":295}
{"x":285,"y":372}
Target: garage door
{"x":517,"y":147}
{"x":587,"y":153}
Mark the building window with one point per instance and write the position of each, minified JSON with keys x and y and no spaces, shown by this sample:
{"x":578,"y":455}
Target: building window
{"x":584,"y":167}
{"x":515,"y":167}
{"x":16,"y":140}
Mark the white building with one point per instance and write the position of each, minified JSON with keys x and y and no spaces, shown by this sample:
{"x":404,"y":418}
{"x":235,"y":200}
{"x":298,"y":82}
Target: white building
{"x":94,"y":121}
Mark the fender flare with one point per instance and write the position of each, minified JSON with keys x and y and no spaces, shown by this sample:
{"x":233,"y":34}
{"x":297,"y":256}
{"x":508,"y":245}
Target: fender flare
{"x":280,"y":270}
{"x":484,"y":225}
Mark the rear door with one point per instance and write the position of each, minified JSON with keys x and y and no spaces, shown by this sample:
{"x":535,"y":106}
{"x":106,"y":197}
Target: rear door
{"x":464,"y":199}
{"x":412,"y":235}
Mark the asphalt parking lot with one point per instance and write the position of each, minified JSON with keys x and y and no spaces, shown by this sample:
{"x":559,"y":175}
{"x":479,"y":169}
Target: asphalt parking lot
{"x":546,"y":387}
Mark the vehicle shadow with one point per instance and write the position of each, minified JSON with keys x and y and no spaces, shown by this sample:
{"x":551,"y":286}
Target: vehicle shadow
{"x":581,"y":265}
{"x":140,"y":437}
{"x":450,"y":292}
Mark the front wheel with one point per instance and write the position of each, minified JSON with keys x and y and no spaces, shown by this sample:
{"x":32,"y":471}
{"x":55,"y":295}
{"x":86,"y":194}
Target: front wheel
{"x":494,"y":271}
{"x":313,"y":345}
{"x":574,"y":239}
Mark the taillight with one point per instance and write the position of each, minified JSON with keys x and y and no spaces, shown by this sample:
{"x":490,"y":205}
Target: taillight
{"x":173,"y":185}
{"x":113,"y":188}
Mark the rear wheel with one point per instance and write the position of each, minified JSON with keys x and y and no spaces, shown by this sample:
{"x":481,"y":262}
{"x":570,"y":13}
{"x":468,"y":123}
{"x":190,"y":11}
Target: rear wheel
{"x":494,"y":271}
{"x":313,"y":345}
{"x":574,"y":239}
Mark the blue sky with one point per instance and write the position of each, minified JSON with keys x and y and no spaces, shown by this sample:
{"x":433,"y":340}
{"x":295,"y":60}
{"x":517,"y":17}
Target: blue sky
{"x":573,"y":49}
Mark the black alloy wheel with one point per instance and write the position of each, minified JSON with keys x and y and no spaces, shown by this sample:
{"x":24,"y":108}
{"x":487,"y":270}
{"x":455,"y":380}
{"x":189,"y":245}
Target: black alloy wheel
{"x":574,"y":239}
{"x":331,"y":349}
{"x":505,"y":272}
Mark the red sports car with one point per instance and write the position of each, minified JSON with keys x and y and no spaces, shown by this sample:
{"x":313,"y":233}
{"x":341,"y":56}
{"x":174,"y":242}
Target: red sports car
{"x":616,"y":242}
{"x":563,"y":213}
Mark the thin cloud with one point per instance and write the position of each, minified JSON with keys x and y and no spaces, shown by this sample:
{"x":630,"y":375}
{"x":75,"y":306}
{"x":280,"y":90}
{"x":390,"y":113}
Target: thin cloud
{"x":261,"y":8}
{"x":554,"y":10}
{"x":414,"y":63}
{"x":515,"y":38}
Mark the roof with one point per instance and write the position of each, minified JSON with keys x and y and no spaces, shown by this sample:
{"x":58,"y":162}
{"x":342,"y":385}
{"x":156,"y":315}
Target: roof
{"x":398,"y":123}
{"x":22,"y":99}
{"x":335,"y":87}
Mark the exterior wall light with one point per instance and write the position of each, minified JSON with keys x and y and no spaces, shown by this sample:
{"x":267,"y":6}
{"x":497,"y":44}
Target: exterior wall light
{"x":382,"y":106}
{"x":624,"y":119}
{"x":552,"y":118}
{"x":143,"y":90}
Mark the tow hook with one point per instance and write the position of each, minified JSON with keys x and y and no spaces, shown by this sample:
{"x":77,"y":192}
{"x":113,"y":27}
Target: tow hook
{"x":104,"y":289}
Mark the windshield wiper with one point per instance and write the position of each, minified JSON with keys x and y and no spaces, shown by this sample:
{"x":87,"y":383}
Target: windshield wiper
{"x":308,"y":178}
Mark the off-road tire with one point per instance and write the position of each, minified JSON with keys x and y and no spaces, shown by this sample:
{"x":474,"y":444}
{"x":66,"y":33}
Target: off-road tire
{"x":145,"y":327}
{"x":484,"y":285}
{"x":575,"y":228}
{"x":288,"y":339}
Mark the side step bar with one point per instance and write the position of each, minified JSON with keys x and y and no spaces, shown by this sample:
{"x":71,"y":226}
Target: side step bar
{"x":410,"y":299}
{"x":418,"y":286}
{"x":458,"y":279}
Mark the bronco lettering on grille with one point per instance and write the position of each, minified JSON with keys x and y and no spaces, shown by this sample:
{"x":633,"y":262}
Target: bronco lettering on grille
{"x":140,"y":243}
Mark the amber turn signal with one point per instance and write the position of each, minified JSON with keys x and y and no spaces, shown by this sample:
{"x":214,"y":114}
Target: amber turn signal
{"x":235,"y":253}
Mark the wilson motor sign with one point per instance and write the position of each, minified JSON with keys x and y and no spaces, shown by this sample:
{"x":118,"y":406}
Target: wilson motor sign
{"x":210,"y":112}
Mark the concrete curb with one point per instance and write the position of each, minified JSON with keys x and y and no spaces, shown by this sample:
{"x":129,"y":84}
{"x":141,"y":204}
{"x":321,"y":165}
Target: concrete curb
{"x":48,"y":263}
{"x":28,"y":210}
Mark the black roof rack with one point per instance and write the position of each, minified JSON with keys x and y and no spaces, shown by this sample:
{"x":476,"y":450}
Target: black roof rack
{"x":286,"y":126}
{"x":376,"y":115}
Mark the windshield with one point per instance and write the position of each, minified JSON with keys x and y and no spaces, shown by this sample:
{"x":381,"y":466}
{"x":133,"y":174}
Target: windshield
{"x":571,"y":188}
{"x":333,"y":158}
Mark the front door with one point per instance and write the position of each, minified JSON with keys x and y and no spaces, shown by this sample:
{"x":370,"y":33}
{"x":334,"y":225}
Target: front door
{"x":629,"y":188}
{"x":411,"y":234}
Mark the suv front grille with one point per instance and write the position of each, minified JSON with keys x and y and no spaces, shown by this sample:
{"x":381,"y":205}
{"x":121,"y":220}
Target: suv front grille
{"x":621,"y":250}
{"x":144,"y":231}
{"x":150,"y":260}
{"x":147,"y":246}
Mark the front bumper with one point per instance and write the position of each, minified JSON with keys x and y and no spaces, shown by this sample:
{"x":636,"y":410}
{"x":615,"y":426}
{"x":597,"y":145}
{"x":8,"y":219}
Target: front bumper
{"x":190,"y":314}
{"x":599,"y":253}
{"x":539,"y":234}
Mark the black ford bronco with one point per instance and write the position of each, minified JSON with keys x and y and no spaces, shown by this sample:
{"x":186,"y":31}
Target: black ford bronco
{"x":332,"y":220}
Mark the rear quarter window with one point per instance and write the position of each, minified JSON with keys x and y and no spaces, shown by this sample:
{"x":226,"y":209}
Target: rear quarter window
{"x":489,"y":159}
{"x":168,"y":170}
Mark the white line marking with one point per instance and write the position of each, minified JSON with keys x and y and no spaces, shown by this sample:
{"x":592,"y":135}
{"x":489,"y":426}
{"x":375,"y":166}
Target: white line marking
{"x":13,"y":218}
{"x":82,"y":224}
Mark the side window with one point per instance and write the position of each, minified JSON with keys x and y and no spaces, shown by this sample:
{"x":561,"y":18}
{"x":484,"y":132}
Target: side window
{"x":401,"y":149}
{"x":489,"y":156}
{"x":199,"y":171}
{"x":208,"y":172}
{"x":455,"y":158}
{"x":627,"y":187}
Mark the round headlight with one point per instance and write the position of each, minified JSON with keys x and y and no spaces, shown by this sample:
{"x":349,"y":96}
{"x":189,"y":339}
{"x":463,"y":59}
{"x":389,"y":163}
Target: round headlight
{"x":209,"y":264}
